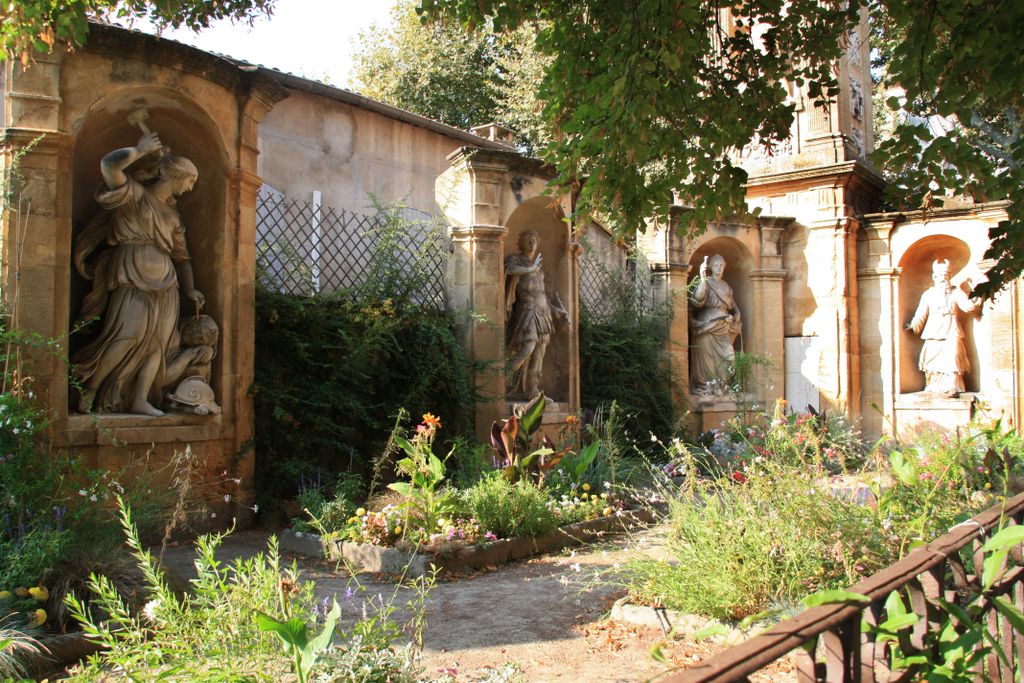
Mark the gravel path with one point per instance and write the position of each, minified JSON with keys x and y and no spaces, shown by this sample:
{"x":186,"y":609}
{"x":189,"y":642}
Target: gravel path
{"x":545,"y":614}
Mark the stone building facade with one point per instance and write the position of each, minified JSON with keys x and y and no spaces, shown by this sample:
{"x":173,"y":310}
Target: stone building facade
{"x":825,"y":284}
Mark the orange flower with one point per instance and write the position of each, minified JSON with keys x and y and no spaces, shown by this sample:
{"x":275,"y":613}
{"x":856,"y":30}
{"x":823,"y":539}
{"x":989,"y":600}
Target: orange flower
{"x":431,"y":421}
{"x":571,"y":420}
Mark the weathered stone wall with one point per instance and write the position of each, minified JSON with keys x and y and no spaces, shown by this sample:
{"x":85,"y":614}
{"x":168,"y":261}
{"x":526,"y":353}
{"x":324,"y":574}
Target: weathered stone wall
{"x":310,"y":142}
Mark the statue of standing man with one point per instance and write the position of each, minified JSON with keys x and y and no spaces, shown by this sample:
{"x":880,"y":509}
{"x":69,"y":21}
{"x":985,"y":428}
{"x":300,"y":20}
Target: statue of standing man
{"x":142,"y":265}
{"x":943,"y":358}
{"x":714,"y":325}
{"x":530,"y":315}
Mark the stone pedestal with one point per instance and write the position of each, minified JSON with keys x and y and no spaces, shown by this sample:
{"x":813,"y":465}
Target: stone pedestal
{"x":709,"y":412}
{"x":921,"y":412}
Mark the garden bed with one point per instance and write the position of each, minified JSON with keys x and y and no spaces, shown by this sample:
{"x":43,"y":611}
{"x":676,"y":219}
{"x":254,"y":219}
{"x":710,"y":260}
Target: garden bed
{"x":365,"y":557}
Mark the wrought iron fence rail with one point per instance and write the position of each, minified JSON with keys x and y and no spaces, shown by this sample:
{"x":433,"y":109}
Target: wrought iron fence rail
{"x":851,"y":654}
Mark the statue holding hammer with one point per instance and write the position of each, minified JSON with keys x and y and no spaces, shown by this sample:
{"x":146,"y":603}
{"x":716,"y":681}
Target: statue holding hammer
{"x":134,"y":252}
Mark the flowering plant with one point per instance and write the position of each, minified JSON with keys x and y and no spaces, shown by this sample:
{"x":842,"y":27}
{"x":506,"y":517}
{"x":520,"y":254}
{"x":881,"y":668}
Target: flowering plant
{"x":424,"y":504}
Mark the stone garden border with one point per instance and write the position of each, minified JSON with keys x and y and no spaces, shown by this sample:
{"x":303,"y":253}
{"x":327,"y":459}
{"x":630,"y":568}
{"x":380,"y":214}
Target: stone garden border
{"x":380,"y":559}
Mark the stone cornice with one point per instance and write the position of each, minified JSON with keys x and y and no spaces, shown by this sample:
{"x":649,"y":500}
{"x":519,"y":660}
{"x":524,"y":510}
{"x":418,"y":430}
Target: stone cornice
{"x":47,"y":139}
{"x":767,"y":273}
{"x":878,"y":272}
{"x":510,"y":161}
{"x":924,"y":215}
{"x":478,"y":232}
{"x":856,"y":168}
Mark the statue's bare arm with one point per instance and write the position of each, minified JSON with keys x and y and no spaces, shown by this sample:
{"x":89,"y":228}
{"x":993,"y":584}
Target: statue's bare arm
{"x":113,"y":165}
{"x":517,"y":269}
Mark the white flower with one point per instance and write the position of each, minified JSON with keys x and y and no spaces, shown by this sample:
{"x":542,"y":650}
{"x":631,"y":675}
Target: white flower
{"x":150,"y":611}
{"x":227,"y":497}
{"x":82,"y":492}
{"x":255,"y":508}
{"x":575,"y":567}
{"x":93,"y":498}
{"x":213,"y":514}
{"x":237,"y":481}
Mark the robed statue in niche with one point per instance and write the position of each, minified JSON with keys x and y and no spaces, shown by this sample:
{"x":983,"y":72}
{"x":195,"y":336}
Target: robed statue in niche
{"x":714,"y":325}
{"x":530,"y":317}
{"x":135,"y":253}
{"x":943,"y":358}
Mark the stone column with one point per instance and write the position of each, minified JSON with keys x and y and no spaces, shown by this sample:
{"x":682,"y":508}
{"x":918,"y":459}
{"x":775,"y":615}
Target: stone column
{"x":831,"y":259}
{"x":35,"y":242}
{"x":470,"y":195}
{"x":769,"y":315}
{"x":878,"y":311}
{"x":244,"y":185}
{"x":665,"y":250}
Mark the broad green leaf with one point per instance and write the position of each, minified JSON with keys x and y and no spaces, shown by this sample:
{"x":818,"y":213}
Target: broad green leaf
{"x":402,"y":487}
{"x":532,"y":414}
{"x":992,"y":567}
{"x":292,"y":632}
{"x":1006,"y":537}
{"x":835,"y":597}
{"x":711,"y":631}
{"x":657,"y":655}
{"x":1010,"y":611}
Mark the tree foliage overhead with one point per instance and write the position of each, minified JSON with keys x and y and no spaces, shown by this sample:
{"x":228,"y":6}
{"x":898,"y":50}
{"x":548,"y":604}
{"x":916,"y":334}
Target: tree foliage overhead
{"x":42,"y":25}
{"x":960,"y":68}
{"x":462,"y":78}
{"x":645,"y":98}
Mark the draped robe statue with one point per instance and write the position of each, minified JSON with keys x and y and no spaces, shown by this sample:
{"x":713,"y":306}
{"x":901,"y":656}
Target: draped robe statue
{"x":135,"y":285}
{"x":714,"y":325}
{"x":943,"y":358}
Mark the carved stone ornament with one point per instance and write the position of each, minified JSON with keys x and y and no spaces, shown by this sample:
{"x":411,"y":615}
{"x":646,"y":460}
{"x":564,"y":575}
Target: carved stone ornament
{"x":530,"y":315}
{"x":943,"y":358}
{"x":135,"y":254}
{"x":715,"y":323}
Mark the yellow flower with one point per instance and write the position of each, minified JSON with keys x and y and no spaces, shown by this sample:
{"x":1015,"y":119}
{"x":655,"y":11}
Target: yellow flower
{"x":21,"y":592}
{"x":586,"y":487}
{"x":40,"y":593}
{"x":38,"y":618}
{"x":6,"y":595}
{"x":360,"y":512}
{"x":398,"y":530}
{"x":593,"y":497}
{"x":607,"y":511}
{"x":442,"y":523}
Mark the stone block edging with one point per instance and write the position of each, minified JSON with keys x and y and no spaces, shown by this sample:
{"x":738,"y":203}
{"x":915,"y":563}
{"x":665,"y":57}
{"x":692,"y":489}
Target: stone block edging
{"x":682,"y":623}
{"x":380,"y":559}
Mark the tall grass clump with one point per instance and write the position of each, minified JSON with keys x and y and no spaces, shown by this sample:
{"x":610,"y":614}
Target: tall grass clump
{"x":746,"y":543}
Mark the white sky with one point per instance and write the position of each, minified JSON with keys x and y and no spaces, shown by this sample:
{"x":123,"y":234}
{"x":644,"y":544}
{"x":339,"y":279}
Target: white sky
{"x":309,"y":38}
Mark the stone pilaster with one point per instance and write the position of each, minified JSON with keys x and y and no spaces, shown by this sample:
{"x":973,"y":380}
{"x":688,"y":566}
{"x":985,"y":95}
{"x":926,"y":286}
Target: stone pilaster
{"x":831,"y":266}
{"x":879,"y":304}
{"x":35,"y":242}
{"x":476,"y":287}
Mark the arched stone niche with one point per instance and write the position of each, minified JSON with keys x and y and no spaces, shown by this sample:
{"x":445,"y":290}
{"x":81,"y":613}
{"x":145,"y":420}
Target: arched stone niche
{"x":915,"y":278}
{"x":186,"y":129}
{"x":547,"y":219}
{"x":738,"y":264}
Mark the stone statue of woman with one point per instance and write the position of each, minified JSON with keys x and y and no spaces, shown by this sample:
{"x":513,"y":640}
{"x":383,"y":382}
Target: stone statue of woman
{"x":135,"y":285}
{"x":714,"y":326}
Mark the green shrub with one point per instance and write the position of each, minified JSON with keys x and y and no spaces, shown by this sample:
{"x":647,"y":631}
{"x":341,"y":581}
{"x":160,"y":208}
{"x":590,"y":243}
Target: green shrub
{"x":212,"y":634}
{"x":767,"y":542}
{"x":509,"y":510}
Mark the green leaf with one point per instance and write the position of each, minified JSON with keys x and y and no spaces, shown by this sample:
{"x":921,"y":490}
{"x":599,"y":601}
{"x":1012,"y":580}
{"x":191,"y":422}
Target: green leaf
{"x":532,"y":414}
{"x":292,"y":632}
{"x":404,"y":488}
{"x":1006,"y":537}
{"x":323,"y":640}
{"x":992,"y":567}
{"x":1008,"y":610}
{"x":657,"y":655}
{"x":710,"y":631}
{"x":903,"y":469}
{"x":835,"y":597}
